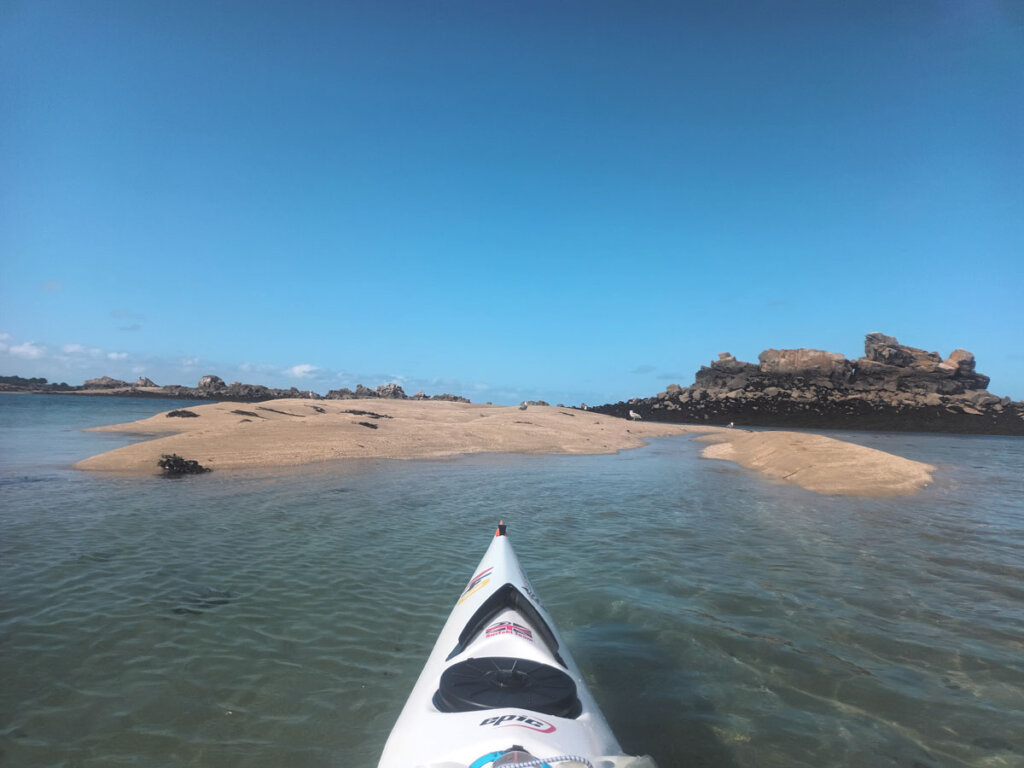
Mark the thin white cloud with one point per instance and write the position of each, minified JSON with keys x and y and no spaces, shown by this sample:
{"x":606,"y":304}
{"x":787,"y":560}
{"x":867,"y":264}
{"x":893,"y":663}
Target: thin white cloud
{"x":29,"y":350}
{"x":117,"y":355}
{"x":302,"y":371}
{"x":81,"y":349}
{"x":3,"y":341}
{"x":258,"y":368}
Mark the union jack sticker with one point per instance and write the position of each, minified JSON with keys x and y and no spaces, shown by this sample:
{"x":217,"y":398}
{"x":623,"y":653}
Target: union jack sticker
{"x":509,"y":628}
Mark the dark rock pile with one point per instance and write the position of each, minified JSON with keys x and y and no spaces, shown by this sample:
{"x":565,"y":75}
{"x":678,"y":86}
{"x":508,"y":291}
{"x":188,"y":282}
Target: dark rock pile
{"x":387,"y":391}
{"x":174,"y":465}
{"x":892,"y":387}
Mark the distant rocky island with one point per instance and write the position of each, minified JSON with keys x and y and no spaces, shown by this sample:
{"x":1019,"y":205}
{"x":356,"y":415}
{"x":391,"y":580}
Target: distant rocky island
{"x":892,"y":387}
{"x":210,"y":388}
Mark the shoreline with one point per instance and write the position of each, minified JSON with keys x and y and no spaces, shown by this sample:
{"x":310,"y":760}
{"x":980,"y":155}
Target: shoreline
{"x":295,"y":432}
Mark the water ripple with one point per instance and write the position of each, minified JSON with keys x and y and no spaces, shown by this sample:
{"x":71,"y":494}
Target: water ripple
{"x":256,"y":620}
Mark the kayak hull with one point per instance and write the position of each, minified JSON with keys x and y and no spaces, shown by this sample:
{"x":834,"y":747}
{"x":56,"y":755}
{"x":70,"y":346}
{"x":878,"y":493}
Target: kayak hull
{"x":499,"y":676}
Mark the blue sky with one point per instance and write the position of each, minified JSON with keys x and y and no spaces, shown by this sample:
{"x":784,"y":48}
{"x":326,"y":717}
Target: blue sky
{"x":575,"y":201}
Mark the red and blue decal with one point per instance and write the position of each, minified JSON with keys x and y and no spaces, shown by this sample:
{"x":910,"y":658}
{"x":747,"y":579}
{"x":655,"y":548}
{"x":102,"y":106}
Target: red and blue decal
{"x":509,"y":628}
{"x":477,"y":583}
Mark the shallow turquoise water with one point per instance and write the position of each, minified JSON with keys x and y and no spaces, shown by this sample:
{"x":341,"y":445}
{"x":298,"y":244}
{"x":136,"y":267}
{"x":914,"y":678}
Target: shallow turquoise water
{"x":250,"y":620}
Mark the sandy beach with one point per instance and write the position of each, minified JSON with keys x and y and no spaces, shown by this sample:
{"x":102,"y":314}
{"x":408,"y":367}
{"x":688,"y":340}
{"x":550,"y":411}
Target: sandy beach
{"x":821,"y":464}
{"x":292,"y":432}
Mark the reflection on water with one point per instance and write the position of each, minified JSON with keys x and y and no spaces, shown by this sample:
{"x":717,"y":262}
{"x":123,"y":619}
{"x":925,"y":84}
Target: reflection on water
{"x":234,"y":619}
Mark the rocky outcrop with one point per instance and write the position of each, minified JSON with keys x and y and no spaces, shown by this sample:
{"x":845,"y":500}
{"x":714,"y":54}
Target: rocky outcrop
{"x":211,"y":387}
{"x":449,"y":398}
{"x":389,"y":391}
{"x":392,"y":391}
{"x":892,"y":387}
{"x":105,"y":382}
{"x":211,"y":384}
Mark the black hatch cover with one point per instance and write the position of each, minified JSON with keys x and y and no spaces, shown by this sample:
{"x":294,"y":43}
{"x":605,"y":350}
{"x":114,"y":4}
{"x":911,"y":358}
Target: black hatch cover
{"x":496,"y":682}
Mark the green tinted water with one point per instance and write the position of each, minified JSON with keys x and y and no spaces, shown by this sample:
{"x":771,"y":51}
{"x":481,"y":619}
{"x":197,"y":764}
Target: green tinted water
{"x":251,"y":620}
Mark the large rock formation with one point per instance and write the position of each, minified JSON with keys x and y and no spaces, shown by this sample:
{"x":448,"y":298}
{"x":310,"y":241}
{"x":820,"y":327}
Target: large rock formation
{"x":210,"y":383}
{"x":892,"y":387}
{"x":105,"y":382}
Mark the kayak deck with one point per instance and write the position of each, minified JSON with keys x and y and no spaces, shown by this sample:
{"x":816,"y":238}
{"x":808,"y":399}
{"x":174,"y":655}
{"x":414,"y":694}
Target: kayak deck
{"x":499,"y":688}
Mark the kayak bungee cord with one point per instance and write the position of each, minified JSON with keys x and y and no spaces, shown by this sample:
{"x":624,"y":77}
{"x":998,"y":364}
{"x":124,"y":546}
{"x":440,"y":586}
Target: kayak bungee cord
{"x":538,"y":762}
{"x":533,"y":762}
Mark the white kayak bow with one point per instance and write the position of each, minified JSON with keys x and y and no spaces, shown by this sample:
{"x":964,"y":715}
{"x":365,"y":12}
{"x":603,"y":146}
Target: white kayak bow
{"x":500,"y":689}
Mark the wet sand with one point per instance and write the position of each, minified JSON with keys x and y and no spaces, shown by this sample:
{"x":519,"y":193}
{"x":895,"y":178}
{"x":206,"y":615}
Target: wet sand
{"x":821,"y":464}
{"x":293,"y":432}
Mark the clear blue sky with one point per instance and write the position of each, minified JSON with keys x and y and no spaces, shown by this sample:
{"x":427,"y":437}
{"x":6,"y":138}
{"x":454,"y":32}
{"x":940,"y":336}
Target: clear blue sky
{"x":574,"y":201}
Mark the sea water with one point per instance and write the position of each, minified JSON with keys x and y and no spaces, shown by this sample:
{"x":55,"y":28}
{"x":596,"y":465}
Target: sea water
{"x":281,"y":618}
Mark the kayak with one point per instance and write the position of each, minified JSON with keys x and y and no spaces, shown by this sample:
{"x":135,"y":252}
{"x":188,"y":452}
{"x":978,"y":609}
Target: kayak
{"x":500,"y":689}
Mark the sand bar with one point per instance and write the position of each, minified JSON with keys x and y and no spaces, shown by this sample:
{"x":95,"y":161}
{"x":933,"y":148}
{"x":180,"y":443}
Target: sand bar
{"x":821,"y":464}
{"x":288,"y":432}
{"x":292,"y":432}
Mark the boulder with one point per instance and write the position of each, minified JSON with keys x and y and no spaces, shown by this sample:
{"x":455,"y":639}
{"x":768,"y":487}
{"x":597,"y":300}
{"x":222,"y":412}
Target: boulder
{"x":210,"y":383}
{"x":723,"y":371}
{"x":880,"y":348}
{"x":961,"y":362}
{"x":142,"y":381}
{"x":393,"y":391}
{"x":805,"y":367}
{"x":803,"y":361}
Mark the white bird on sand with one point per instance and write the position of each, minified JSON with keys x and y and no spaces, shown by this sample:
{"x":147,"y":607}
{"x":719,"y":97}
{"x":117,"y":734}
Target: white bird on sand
{"x":732,"y":424}
{"x":634,"y":415}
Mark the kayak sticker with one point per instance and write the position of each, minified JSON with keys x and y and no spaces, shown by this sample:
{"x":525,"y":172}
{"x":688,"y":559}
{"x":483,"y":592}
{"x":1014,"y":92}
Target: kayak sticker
{"x":520,"y":721}
{"x":509,"y":628}
{"x":477,"y":583}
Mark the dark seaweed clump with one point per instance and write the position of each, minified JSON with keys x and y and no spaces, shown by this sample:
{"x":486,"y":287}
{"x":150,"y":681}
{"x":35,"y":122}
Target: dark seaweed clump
{"x":371,"y":414}
{"x":174,"y":465}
